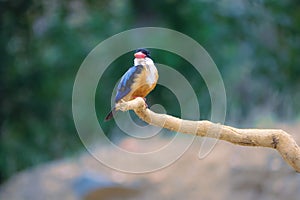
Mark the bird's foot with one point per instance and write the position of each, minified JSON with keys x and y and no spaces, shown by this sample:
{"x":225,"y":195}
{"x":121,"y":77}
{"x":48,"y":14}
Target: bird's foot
{"x":144,"y":101}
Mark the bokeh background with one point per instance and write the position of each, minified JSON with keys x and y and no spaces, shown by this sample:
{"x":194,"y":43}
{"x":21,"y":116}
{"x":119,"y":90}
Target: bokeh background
{"x":255,"y":44}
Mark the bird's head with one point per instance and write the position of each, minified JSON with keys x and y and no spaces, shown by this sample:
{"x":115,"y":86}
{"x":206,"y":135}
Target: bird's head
{"x":142,"y":57}
{"x":142,"y":53}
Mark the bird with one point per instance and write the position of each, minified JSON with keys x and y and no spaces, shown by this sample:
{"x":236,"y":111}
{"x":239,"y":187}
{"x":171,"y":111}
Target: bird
{"x":138,"y":81}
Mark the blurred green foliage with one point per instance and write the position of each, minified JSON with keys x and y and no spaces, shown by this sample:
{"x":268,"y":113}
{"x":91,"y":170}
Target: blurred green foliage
{"x":255,"y":44}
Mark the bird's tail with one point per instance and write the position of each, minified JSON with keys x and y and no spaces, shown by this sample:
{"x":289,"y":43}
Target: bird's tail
{"x":110,"y":115}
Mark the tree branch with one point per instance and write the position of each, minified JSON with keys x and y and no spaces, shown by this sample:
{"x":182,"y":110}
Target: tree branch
{"x":272,"y":138}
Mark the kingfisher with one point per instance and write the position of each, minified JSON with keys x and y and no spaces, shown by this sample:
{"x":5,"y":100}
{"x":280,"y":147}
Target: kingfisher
{"x":138,"y":81}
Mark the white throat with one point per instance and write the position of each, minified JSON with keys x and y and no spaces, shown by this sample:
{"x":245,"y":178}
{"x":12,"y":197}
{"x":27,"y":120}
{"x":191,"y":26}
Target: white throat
{"x":147,"y":62}
{"x":143,"y":61}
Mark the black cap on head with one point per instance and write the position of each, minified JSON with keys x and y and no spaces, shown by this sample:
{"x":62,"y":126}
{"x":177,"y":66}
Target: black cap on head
{"x":144,"y":51}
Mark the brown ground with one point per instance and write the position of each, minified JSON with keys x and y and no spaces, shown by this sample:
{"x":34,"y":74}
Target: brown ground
{"x":229,"y":172}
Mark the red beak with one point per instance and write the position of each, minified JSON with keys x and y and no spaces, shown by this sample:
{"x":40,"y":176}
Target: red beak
{"x":139,"y":55}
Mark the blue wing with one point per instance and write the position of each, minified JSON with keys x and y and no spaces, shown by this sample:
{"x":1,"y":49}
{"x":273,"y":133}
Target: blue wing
{"x":126,"y":82}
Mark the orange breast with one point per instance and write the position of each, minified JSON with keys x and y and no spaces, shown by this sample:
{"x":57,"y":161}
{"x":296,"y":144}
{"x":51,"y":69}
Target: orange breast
{"x":142,"y":91}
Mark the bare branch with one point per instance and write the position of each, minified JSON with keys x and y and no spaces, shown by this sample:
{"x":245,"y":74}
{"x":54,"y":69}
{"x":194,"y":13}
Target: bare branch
{"x":272,"y":138}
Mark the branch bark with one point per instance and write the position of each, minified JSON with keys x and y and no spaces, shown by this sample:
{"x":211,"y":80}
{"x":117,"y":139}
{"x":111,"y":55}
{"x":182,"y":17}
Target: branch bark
{"x":271,"y":138}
